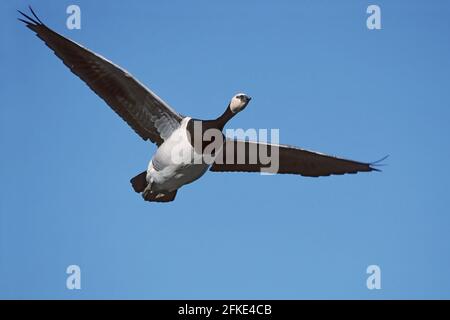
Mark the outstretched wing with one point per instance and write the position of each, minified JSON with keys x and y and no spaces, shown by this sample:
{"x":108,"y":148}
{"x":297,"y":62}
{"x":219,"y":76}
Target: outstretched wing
{"x":238,"y":155}
{"x":143,"y":110}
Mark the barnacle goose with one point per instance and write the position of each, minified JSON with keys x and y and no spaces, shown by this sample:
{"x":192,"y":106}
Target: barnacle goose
{"x":183,"y":142}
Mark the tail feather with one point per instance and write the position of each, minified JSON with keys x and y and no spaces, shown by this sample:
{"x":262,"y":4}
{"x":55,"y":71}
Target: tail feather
{"x":139,"y":182}
{"x":159,"y":197}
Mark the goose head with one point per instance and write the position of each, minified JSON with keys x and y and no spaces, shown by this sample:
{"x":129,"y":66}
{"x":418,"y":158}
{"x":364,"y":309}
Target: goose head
{"x":239,"y":102}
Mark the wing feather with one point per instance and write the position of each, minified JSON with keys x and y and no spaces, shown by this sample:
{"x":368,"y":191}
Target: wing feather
{"x":147,"y":114}
{"x":247,"y":156}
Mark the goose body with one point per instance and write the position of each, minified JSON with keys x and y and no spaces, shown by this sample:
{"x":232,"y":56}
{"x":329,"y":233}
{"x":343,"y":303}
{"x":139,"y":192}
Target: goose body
{"x":175,"y":163}
{"x":183,"y":153}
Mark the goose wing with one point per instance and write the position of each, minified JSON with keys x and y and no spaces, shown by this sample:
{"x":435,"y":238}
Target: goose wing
{"x":247,"y":156}
{"x":147,"y":114}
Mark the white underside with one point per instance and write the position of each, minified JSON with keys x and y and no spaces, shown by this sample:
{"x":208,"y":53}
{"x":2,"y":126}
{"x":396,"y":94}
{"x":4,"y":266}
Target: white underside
{"x":175,"y":163}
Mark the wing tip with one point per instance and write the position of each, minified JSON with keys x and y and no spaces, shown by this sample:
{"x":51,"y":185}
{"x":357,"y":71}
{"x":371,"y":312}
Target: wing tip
{"x":374,"y":166}
{"x":29,"y":20}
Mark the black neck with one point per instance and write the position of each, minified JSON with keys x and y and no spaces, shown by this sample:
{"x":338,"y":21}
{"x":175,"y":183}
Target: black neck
{"x":218,"y":123}
{"x":224,"y":118}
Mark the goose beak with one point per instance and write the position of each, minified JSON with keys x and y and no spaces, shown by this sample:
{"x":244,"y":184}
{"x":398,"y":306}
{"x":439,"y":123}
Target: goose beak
{"x":249,"y":98}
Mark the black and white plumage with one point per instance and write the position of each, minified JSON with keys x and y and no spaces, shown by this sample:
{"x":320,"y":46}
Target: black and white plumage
{"x":152,"y":119}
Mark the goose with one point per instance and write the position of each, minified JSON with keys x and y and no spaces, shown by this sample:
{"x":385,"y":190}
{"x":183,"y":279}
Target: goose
{"x":181,"y":148}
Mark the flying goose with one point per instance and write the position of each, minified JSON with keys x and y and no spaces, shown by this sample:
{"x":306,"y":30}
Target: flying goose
{"x":179,"y":158}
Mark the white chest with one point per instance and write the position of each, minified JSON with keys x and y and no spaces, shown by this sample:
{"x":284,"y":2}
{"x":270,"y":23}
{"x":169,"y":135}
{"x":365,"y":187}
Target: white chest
{"x":175,"y":163}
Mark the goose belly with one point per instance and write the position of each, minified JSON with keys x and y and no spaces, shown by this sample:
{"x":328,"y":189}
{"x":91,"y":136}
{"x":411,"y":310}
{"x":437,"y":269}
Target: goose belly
{"x":175,"y":163}
{"x":174,"y":177}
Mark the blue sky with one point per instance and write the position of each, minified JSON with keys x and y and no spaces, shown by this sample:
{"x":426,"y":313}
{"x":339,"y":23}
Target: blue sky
{"x":314,"y":71}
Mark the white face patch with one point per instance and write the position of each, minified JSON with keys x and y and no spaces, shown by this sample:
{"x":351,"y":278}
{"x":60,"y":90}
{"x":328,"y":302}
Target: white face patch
{"x":239,"y":102}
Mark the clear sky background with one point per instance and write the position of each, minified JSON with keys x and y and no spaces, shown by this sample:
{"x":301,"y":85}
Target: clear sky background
{"x":314,"y":71}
